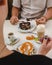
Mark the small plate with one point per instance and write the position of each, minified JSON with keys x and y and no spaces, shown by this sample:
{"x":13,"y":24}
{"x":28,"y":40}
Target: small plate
{"x":33,"y":26}
{"x":34,"y":47}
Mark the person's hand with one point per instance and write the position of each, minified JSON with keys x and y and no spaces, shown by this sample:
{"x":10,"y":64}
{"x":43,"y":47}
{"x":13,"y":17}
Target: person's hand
{"x":41,"y":20}
{"x":14,"y":20}
{"x":45,"y":47}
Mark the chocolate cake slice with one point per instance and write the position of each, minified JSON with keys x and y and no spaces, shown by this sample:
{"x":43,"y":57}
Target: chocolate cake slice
{"x":25,"y":25}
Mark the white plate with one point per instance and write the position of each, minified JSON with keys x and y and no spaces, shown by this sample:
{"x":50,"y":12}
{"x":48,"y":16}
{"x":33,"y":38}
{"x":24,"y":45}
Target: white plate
{"x":33,"y":26}
{"x":14,"y":47}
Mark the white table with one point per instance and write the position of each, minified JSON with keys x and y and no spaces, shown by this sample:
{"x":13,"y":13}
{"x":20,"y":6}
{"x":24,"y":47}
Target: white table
{"x":13,"y":28}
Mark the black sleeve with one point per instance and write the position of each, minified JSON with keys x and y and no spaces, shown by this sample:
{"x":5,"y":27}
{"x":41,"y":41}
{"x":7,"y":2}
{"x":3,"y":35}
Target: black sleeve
{"x":20,"y":59}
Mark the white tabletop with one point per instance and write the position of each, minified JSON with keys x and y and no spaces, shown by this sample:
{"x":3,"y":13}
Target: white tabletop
{"x":13,"y":28}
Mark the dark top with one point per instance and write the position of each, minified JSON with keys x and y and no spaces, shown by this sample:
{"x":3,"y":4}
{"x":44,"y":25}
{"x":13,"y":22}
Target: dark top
{"x":20,"y":59}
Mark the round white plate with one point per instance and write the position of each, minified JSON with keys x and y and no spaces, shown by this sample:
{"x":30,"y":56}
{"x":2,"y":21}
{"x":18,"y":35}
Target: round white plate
{"x":33,"y":26}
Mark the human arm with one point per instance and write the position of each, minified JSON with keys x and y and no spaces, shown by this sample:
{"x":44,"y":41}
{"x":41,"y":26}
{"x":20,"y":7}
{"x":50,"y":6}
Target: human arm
{"x":48,"y":13}
{"x":46,"y":17}
{"x":15,"y":12}
{"x":3,"y":15}
{"x":45,"y":47}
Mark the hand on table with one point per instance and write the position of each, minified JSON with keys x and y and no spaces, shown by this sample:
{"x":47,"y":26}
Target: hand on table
{"x":14,"y":20}
{"x":41,"y":20}
{"x":45,"y":47}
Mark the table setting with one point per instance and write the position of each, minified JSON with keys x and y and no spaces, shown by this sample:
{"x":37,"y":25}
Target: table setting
{"x":23,"y":36}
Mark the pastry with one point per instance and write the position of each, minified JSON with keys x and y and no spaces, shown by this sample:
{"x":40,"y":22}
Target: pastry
{"x":30,"y":37}
{"x":26,"y":48}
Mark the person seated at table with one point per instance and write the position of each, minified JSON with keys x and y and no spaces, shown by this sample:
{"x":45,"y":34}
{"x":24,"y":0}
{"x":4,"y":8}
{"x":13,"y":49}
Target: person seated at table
{"x":45,"y":46}
{"x":32,"y":9}
{"x":16,"y":57}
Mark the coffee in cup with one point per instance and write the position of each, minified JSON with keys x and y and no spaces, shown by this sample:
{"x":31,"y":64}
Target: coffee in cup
{"x":41,"y":30}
